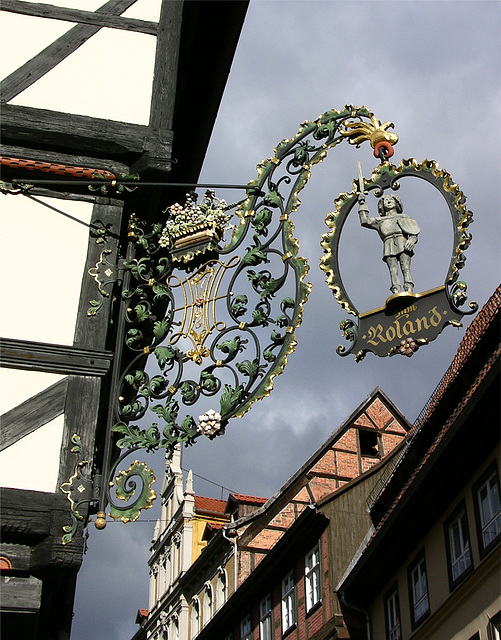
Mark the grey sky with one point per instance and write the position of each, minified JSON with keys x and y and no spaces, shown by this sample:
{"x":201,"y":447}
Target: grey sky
{"x":433,"y":69}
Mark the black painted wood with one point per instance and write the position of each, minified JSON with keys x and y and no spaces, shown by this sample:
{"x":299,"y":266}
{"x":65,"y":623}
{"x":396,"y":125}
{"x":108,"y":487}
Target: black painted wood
{"x":75,"y":15}
{"x":33,"y":414}
{"x":53,"y":358}
{"x":82,"y":411}
{"x":56,"y":52}
{"x":36,"y":519}
{"x":81,"y":135}
{"x":166,"y":63}
{"x":86,"y":401}
{"x":18,"y":556}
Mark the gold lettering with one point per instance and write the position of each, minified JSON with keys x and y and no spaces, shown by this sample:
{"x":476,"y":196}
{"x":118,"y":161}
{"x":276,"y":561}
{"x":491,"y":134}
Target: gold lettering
{"x":390,"y":334}
{"x":397,"y":324}
{"x":408,"y":328}
{"x":422,"y":323}
{"x":435,"y":317}
{"x":405,"y":312}
{"x":375,"y":332}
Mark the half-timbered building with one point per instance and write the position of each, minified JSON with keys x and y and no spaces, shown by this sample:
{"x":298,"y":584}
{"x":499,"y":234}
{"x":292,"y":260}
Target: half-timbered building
{"x":265,"y":538}
{"x":65,"y":243}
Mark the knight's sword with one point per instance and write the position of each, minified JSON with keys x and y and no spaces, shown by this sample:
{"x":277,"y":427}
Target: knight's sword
{"x":360,"y":178}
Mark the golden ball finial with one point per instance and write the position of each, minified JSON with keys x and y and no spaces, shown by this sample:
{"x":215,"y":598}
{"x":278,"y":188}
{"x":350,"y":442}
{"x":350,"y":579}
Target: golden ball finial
{"x":100,"y":522}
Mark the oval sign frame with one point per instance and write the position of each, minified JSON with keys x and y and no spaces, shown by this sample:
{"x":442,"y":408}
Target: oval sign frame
{"x":379,"y":330}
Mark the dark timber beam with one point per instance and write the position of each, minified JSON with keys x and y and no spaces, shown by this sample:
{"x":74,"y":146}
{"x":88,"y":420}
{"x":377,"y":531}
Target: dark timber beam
{"x":54,"y":358}
{"x":88,"y":396}
{"x":81,"y":134}
{"x":75,"y":15}
{"x":163,"y":93}
{"x":33,"y":414}
{"x":56,"y":52}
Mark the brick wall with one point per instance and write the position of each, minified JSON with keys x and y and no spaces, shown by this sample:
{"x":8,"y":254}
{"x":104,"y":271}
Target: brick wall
{"x":340,"y":463}
{"x":311,"y":625}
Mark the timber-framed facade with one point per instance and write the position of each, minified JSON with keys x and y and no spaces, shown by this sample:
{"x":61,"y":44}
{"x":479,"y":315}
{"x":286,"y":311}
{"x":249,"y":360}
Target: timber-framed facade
{"x":72,"y":149}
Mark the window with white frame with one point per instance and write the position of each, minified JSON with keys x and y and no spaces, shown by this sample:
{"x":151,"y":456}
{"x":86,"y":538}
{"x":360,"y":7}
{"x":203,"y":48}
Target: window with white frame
{"x":265,"y":619}
{"x":392,"y":615}
{"x":488,"y":509}
{"x":175,"y":628}
{"x":312,"y":577}
{"x":208,"y":604}
{"x":246,"y":629}
{"x":458,"y":546}
{"x":221,"y":588}
{"x":195,"y":618}
{"x":418,"y":589}
{"x":288,"y":602}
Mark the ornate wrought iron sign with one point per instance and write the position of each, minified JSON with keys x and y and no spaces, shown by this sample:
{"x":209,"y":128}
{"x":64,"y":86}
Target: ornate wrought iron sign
{"x":212,"y":296}
{"x":407,"y":320}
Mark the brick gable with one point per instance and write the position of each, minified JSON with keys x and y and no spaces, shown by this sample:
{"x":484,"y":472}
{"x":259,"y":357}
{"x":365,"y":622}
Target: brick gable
{"x":342,"y":459}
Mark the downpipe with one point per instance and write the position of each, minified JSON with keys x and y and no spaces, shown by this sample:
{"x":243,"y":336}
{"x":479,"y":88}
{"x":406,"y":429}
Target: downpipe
{"x":349,"y":605}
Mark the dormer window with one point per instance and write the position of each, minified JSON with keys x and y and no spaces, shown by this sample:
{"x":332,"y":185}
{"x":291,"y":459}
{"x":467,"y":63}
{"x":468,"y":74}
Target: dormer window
{"x":369,"y":444}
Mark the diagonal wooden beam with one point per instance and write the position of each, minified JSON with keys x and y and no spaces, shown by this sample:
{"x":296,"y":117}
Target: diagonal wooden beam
{"x":33,"y":413}
{"x":77,"y":15}
{"x":56,"y":52}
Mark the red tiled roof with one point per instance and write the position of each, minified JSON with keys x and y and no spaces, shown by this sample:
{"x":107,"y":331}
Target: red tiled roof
{"x":142,"y":616}
{"x":239,"y":497}
{"x":211,"y":528}
{"x":210,"y":504}
{"x":475,"y":331}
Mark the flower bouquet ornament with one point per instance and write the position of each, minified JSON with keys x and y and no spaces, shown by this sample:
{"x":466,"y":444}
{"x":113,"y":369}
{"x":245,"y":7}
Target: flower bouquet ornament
{"x":195,"y":228}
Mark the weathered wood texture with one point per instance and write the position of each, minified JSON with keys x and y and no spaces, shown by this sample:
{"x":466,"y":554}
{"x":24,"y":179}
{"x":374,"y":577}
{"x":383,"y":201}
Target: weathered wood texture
{"x":54,"y":358}
{"x":92,"y":332}
{"x":18,"y":556}
{"x":56,"y":52}
{"x":21,"y":593}
{"x":33,"y":414}
{"x":75,"y":15}
{"x":31,"y":517}
{"x":81,"y":417}
{"x":163,"y":95}
{"x":36,"y":519}
{"x":86,"y":401}
{"x":70,"y":133}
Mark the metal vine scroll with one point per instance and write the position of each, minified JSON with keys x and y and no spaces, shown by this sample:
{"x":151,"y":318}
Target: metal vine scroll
{"x":209,"y":322}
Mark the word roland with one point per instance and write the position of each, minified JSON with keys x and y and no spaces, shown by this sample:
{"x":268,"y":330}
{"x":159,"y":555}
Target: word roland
{"x":405,"y":325}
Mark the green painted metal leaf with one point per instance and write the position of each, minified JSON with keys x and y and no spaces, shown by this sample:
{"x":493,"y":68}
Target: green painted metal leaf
{"x":254,"y":256}
{"x":230,"y":398}
{"x":160,"y":329}
{"x":164,"y":355}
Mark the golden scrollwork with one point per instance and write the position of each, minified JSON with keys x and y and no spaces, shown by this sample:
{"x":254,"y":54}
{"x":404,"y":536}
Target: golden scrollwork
{"x":199,"y":293}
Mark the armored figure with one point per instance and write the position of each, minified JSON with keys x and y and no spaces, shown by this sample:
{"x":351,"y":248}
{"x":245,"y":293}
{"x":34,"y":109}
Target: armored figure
{"x":399,"y":234}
